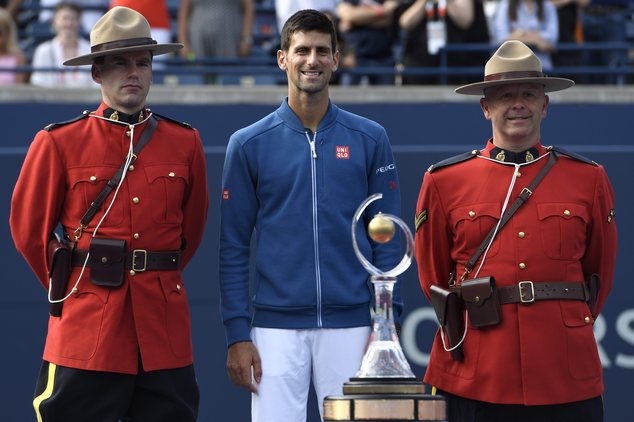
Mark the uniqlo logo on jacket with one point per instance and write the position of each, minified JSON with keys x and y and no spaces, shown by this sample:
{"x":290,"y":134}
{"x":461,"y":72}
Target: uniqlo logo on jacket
{"x":225,"y":194}
{"x":342,"y":152}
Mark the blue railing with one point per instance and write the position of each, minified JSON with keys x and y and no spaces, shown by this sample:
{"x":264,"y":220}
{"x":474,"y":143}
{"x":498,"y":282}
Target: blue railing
{"x":231,"y":69}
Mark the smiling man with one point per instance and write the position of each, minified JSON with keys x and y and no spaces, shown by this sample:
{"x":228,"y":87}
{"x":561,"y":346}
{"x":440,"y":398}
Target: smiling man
{"x":527,"y":233}
{"x":295,"y":178}
{"x":120,"y":347}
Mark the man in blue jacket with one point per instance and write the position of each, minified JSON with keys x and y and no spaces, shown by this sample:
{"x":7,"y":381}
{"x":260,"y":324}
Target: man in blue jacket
{"x":296,"y":178}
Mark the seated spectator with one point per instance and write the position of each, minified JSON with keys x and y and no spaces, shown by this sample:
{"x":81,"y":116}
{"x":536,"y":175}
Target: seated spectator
{"x":10,"y":54}
{"x":67,"y":43}
{"x":216,"y":28}
{"x":461,"y":21}
{"x":12,"y":6}
{"x":570,"y":31}
{"x":92,"y":10}
{"x":605,"y":21}
{"x":534,"y":22}
{"x":367,"y":28}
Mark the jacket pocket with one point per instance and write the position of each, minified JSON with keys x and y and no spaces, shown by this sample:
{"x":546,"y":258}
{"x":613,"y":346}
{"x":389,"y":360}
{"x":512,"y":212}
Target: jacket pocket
{"x":583,"y":355}
{"x":168,"y":184}
{"x":82,"y":320}
{"x":472,"y":223}
{"x":177,"y":319}
{"x":563,"y":229}
{"x":85,"y":185}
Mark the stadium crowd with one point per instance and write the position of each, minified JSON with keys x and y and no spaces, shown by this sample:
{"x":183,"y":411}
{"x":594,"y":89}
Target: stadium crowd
{"x":382,"y":42}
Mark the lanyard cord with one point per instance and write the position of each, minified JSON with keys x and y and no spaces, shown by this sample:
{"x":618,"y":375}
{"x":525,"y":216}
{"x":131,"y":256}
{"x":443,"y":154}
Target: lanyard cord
{"x":128,"y":160}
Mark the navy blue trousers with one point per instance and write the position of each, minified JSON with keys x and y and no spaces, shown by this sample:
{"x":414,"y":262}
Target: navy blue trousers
{"x":461,"y":409}
{"x":65,"y":394}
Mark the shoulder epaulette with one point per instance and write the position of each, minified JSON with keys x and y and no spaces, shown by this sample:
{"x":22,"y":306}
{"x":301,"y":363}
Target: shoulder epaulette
{"x":573,"y":155}
{"x":169,"y":119}
{"x":454,"y":160}
{"x":52,"y":126}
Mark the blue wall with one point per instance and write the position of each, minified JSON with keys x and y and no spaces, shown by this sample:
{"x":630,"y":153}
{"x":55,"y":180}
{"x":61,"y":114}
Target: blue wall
{"x":421,"y":135}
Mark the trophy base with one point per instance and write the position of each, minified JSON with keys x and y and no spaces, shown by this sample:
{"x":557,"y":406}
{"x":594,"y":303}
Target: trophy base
{"x":380,"y":399}
{"x":383,"y":386}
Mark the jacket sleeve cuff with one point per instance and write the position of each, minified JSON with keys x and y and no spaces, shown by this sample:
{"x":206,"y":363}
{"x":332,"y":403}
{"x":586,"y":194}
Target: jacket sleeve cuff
{"x":237,"y":329}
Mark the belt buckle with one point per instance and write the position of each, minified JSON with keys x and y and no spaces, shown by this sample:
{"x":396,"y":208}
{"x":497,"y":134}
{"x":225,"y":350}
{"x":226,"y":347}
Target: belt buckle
{"x":523,"y":298}
{"x":134,"y":259}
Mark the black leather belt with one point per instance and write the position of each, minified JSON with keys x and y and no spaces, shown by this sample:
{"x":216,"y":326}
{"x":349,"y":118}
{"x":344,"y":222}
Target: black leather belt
{"x":139,"y":260}
{"x":527,"y":292}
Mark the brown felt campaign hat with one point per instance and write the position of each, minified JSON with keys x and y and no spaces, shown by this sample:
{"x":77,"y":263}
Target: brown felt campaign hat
{"x":514,"y":63}
{"x":121,"y":30}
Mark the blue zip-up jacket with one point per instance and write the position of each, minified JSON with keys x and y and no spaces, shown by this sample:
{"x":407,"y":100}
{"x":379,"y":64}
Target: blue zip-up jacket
{"x":299,"y":191}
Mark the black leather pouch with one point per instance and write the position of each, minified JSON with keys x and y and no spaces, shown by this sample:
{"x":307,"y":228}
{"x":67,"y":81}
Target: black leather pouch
{"x":107,"y":261}
{"x":448,"y":308}
{"x":59,"y":262}
{"x":480,"y":297}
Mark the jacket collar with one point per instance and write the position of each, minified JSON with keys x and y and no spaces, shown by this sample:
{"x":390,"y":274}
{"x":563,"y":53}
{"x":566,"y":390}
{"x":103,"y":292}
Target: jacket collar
{"x":290,"y":118}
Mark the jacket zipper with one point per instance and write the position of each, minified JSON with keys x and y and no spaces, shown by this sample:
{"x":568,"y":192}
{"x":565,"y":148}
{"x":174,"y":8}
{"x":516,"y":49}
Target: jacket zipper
{"x":313,"y":177}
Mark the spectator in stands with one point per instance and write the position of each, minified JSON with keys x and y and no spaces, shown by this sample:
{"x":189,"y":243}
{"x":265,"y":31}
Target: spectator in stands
{"x":12,"y":6}
{"x":534,"y":22}
{"x":67,"y":43}
{"x":605,"y":21}
{"x":11,"y":56}
{"x":461,"y":21}
{"x":92,"y":10}
{"x":216,"y":28}
{"x":569,"y":17}
{"x":367,"y":27}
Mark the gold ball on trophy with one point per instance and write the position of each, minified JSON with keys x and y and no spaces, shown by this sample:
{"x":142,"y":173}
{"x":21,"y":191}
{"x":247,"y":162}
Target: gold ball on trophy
{"x":381,"y":229}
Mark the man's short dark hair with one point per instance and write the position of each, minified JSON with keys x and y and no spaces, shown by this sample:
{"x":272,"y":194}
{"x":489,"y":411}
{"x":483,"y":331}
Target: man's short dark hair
{"x":308,"y":20}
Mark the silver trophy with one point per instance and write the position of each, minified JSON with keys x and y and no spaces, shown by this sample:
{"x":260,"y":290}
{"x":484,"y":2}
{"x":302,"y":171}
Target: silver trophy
{"x":384,"y":388}
{"x":384,"y":357}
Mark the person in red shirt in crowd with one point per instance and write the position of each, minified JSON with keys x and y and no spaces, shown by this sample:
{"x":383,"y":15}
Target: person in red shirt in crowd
{"x":120,"y":348}
{"x":529,"y":286}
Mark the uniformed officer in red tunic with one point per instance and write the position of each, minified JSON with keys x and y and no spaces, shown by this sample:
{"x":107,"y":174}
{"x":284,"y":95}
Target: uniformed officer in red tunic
{"x":531,"y":354}
{"x":121,"y":346}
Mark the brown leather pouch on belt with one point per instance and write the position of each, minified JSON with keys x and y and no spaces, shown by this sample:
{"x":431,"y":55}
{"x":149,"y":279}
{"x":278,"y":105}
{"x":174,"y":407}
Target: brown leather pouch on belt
{"x":448,"y":309}
{"x":107,"y":261}
{"x":59,"y":261}
{"x":480,"y":296}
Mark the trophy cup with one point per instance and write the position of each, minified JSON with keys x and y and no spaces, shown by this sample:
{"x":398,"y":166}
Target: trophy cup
{"x":384,"y":388}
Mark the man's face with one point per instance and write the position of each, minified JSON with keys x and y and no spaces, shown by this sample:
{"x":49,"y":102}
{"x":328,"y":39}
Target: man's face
{"x":515,"y":112}
{"x":309,"y":62}
{"x":125,"y":80}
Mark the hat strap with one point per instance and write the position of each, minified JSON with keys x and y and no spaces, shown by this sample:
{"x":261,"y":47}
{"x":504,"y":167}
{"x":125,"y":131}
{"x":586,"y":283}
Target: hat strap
{"x":514,"y":75}
{"x":121,"y":44}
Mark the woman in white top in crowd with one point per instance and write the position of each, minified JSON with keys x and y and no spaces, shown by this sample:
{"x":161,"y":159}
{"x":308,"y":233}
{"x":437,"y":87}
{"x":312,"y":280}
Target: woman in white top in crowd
{"x":534,"y":22}
{"x":67,"y":43}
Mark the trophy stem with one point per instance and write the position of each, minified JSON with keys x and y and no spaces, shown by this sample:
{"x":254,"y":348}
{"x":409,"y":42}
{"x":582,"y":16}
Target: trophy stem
{"x":384,"y":357}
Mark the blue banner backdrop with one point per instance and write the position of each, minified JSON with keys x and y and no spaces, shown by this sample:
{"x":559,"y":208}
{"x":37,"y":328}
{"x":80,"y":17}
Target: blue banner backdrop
{"x":421,"y":135}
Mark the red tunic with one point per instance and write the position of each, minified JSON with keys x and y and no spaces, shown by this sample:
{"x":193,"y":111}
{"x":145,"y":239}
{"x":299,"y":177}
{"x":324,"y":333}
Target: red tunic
{"x":545,"y":352}
{"x":162,"y":200}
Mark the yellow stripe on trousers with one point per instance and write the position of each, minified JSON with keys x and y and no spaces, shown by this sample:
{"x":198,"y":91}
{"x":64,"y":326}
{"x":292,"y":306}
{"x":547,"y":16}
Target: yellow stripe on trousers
{"x":47,"y":393}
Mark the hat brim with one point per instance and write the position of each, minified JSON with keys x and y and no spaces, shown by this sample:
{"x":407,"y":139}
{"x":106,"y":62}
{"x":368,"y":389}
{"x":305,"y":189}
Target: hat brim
{"x":156,"y":49}
{"x":551,"y":84}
